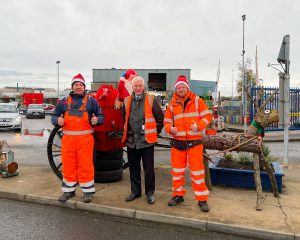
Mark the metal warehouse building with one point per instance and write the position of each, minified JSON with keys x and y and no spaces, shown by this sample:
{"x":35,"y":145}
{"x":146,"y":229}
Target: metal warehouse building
{"x":203,"y":87}
{"x":155,"y":79}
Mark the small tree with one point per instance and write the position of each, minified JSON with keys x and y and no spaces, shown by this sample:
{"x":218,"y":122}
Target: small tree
{"x":249,"y":76}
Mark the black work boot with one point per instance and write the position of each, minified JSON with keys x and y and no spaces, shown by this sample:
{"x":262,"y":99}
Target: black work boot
{"x":88,"y":197}
{"x":175,"y":200}
{"x":66,"y":196}
{"x":203,"y":206}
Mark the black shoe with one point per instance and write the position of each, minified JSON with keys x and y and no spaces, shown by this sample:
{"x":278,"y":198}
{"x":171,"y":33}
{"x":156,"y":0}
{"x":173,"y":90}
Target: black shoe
{"x":175,"y":200}
{"x":203,"y":206}
{"x":150,"y":199}
{"x":88,"y":197}
{"x":66,"y":196}
{"x":131,"y":197}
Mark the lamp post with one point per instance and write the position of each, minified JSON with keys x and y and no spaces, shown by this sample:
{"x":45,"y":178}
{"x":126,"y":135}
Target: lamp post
{"x":244,"y":97}
{"x":232,"y":84}
{"x":58,"y":62}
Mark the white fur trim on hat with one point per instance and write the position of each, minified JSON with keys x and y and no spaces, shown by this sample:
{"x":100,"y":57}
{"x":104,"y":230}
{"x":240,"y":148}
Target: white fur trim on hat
{"x":181,"y":82}
{"x":78,"y":80}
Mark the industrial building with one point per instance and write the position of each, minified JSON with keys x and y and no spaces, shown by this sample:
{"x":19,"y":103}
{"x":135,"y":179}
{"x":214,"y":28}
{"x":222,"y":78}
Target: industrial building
{"x":160,"y":80}
{"x":155,"y":79}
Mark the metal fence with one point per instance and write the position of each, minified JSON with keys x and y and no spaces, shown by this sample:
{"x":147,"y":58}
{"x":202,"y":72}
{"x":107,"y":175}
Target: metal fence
{"x":273,"y":104}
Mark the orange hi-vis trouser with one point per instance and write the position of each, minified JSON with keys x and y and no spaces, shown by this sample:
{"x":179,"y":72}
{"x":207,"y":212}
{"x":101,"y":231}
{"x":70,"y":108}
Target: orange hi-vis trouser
{"x":194,"y":157}
{"x":77,"y":150}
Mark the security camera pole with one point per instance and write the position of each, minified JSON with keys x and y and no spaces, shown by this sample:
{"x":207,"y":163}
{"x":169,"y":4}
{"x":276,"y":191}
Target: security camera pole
{"x":284,"y":93}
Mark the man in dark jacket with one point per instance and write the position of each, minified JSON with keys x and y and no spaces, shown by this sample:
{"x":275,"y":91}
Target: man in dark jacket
{"x":143,"y":122}
{"x":77,"y":114}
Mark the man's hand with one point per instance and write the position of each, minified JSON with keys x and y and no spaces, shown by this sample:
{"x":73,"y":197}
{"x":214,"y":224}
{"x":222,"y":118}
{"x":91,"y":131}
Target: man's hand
{"x":94,"y":120}
{"x":61,"y":120}
{"x":194,"y":127}
{"x":118,"y":104}
{"x":173,"y":130}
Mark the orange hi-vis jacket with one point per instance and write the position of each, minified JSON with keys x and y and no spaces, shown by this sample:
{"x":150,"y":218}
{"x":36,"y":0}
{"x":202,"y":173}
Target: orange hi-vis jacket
{"x":150,"y":123}
{"x":182,"y":118}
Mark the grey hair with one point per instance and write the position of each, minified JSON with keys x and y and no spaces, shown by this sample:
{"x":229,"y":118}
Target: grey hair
{"x":138,"y":78}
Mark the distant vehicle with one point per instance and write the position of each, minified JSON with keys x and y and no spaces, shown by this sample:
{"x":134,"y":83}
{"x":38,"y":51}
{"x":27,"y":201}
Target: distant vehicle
{"x":48,"y":108}
{"x":32,"y":98}
{"x":22,"y":109}
{"x":10,"y":117}
{"x":35,"y":111}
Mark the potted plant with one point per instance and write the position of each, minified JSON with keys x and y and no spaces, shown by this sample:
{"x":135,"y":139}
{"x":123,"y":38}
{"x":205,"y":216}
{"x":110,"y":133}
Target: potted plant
{"x":236,"y":170}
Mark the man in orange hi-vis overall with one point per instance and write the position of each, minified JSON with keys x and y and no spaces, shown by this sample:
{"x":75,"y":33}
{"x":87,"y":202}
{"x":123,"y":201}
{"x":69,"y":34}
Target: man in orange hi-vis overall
{"x":77,"y":114}
{"x":186,"y":119}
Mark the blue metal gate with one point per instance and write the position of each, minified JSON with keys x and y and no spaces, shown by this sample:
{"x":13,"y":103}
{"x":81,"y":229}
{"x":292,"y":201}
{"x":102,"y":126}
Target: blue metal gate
{"x":273,"y":104}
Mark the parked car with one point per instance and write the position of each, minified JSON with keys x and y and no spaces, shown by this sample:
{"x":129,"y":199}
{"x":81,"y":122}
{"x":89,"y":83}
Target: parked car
{"x":35,"y":111}
{"x":48,"y":108}
{"x":10,"y":117}
{"x":22,"y":109}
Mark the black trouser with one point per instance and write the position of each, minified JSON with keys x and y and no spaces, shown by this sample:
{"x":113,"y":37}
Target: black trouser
{"x":134,"y":161}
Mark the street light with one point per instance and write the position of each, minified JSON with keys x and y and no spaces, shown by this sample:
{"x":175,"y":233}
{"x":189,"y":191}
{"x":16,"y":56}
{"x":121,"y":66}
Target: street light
{"x":58,"y":62}
{"x":244,"y":97}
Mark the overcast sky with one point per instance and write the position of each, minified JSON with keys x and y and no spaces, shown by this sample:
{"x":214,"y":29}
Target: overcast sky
{"x":195,"y":34}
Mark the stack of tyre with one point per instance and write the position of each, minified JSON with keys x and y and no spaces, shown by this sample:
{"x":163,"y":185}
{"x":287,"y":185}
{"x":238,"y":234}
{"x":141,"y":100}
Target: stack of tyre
{"x":108,"y":165}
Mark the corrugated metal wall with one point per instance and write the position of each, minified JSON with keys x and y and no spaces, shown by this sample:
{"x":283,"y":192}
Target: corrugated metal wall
{"x":202,"y":88}
{"x":112,"y":76}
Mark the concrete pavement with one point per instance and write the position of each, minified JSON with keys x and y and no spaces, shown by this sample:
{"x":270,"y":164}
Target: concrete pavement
{"x":232,"y":210}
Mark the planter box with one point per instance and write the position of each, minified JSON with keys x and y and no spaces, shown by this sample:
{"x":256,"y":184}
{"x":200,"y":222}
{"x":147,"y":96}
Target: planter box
{"x":243,"y":178}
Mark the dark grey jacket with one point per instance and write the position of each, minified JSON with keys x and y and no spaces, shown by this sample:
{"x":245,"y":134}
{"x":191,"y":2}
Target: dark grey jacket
{"x":135,"y":134}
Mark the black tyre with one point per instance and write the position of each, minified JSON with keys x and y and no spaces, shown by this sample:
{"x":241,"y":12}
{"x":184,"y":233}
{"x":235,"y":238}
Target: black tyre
{"x":108,"y":176}
{"x":112,"y":154}
{"x":54,"y":151}
{"x":108,"y":165}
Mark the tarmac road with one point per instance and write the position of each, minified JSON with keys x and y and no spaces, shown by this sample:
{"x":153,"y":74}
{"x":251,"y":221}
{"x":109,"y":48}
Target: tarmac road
{"x":21,"y":220}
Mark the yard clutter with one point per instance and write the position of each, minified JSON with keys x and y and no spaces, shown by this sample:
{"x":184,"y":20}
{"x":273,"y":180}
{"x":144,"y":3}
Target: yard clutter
{"x":8,"y":166}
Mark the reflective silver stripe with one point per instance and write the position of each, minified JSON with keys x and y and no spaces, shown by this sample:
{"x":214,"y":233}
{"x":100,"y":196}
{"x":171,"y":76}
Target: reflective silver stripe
{"x":87,"y":184}
{"x":197,"y":103}
{"x":177,"y":178}
{"x":179,"y":170}
{"x":203,"y":113}
{"x":168,"y":120}
{"x":205,"y":120}
{"x":149,"y":119}
{"x":178,"y":189}
{"x":195,"y":173}
{"x":171,"y":109}
{"x":126,"y":101}
{"x":69,"y":184}
{"x":198,"y":181}
{"x":181,"y":134}
{"x":150,"y":131}
{"x":178,"y":116}
{"x":77,"y":132}
{"x":201,"y":193}
{"x":64,"y":189}
{"x":195,"y":133}
{"x":192,"y":114}
{"x":88,"y":190}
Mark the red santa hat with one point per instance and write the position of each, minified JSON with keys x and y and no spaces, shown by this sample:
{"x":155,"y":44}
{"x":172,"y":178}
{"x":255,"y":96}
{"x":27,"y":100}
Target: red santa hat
{"x":182,"y":80}
{"x":78,"y":78}
{"x":130,"y":72}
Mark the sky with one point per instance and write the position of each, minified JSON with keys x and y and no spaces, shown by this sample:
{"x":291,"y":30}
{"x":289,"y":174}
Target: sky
{"x":194,"y":34}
